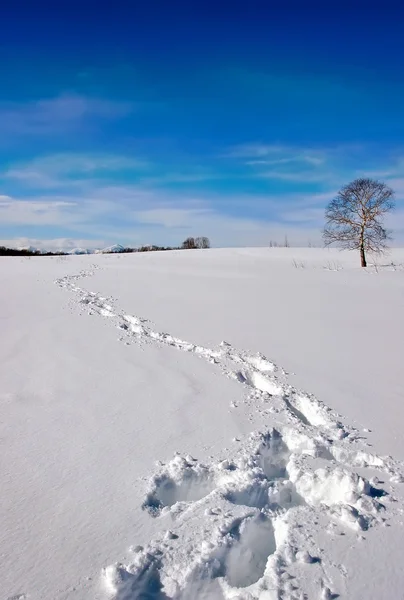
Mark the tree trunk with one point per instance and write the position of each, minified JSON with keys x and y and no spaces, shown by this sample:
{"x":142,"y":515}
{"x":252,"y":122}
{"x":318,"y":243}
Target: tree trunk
{"x":363,"y":256}
{"x":362,"y":245}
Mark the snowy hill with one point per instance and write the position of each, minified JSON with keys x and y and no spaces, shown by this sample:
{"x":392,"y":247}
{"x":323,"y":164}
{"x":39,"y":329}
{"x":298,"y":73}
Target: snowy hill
{"x":80,"y":251}
{"x":28,"y":249}
{"x":116,"y":248}
{"x":229,"y":427}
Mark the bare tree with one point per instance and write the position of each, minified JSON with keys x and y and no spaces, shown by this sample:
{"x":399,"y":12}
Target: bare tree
{"x":354,"y":217}
{"x":202,"y":242}
{"x":286,"y":243}
{"x":189,"y":243}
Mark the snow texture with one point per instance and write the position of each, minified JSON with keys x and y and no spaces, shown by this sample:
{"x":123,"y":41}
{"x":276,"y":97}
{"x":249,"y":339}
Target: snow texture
{"x":271,"y":515}
{"x":258,"y":498}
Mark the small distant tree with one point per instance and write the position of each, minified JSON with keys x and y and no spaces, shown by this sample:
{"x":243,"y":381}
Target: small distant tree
{"x":202,"y":242}
{"x":286,"y":244}
{"x":354,"y":218}
{"x":189,"y":244}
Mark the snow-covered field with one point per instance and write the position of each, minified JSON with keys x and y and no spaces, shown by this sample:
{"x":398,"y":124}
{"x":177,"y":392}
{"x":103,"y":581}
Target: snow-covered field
{"x":203,"y":424}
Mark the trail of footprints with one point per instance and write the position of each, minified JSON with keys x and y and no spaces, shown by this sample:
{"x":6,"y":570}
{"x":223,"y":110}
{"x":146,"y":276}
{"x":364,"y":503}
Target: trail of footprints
{"x":233,"y":527}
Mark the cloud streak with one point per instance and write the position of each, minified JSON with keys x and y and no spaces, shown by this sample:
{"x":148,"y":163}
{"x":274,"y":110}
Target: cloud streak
{"x":61,"y":170}
{"x":134,"y":200}
{"x":41,"y":212}
{"x":58,"y":115}
{"x":258,"y":153}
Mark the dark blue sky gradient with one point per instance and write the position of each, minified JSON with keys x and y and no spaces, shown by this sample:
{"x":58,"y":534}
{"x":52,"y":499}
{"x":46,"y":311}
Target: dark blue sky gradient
{"x":200,"y":79}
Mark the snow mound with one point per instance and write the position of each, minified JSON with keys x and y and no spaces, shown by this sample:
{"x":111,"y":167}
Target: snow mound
{"x":28,"y":249}
{"x":232,"y":527}
{"x":80,"y":251}
{"x":116,"y":248}
{"x":237,"y":523}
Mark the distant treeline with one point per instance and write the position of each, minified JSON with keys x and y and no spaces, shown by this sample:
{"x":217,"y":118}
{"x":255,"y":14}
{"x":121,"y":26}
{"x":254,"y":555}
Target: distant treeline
{"x":188,"y":244}
{"x":26,"y":252}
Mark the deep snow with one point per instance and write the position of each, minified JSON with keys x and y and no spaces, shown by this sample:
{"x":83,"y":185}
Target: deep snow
{"x":267,"y":385}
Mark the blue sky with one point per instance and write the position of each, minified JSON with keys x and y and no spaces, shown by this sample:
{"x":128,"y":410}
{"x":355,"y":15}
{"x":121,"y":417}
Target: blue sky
{"x":145,"y":124}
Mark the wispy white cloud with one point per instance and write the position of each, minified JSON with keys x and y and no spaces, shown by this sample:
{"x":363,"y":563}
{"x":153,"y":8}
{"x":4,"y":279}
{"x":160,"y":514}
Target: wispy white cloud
{"x":52,"y":116}
{"x":296,"y":176}
{"x":91,"y":195}
{"x":71,"y":169}
{"x":393,"y":175}
{"x":133,"y":216}
{"x":272,"y":154}
{"x":39,"y":211}
{"x":187,"y":177}
{"x":311,"y":214}
{"x":286,"y":163}
{"x":86,"y":163}
{"x":397,"y":184}
{"x":311,"y":160}
{"x":75,"y":170}
{"x":253,"y":150}
{"x":171,"y":216}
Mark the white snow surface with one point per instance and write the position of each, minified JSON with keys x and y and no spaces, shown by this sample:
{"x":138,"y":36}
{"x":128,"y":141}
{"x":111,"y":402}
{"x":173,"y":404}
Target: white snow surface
{"x":221,"y":424}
